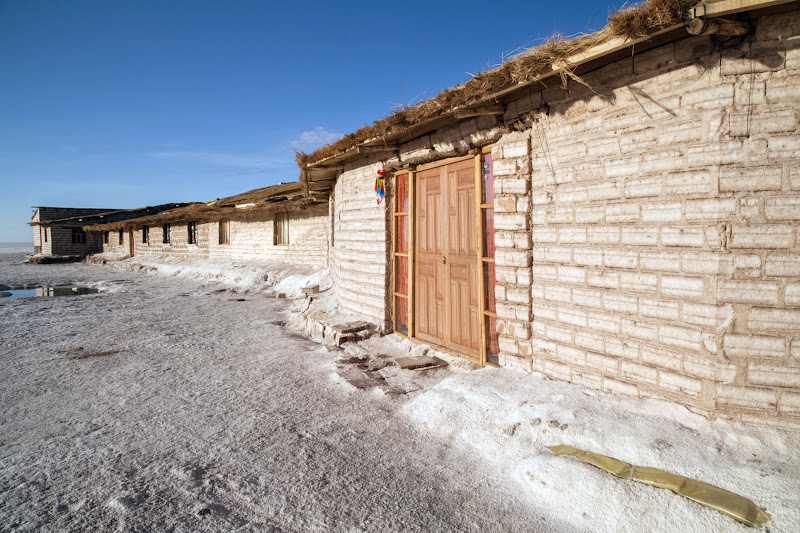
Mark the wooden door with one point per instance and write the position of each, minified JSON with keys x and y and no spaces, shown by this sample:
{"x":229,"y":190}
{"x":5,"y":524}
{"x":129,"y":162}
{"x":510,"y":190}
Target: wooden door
{"x":447,"y":305}
{"x":130,"y":241}
{"x":463,"y":305}
{"x":430,"y":303}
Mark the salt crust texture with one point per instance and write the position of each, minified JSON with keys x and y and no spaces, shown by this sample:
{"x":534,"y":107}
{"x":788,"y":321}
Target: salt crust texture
{"x":211,"y":405}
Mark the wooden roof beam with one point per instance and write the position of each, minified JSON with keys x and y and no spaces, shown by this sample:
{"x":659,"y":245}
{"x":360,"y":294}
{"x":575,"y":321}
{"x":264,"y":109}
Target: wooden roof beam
{"x":728,"y":7}
{"x":699,"y":26}
{"x":479,"y":111}
{"x":372,"y":149}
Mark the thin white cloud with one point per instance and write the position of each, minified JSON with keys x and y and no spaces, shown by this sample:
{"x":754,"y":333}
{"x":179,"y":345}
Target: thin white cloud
{"x":308,"y":141}
{"x":241,"y":163}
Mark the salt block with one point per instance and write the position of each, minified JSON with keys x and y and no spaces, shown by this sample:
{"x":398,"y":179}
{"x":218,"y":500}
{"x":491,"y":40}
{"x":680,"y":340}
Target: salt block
{"x":314,"y":289}
{"x":351,"y":327}
{"x":415,"y":362}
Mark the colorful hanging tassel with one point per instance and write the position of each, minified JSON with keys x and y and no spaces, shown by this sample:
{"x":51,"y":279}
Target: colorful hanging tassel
{"x":379,"y":186}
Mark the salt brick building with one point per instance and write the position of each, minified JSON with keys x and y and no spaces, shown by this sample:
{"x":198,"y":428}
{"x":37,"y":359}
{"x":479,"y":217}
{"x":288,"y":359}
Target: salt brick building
{"x":276,"y":222}
{"x":64,"y":231}
{"x":619,"y":211}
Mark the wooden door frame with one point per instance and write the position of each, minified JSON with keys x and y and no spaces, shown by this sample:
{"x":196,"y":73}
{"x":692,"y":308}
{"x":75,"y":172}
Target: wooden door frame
{"x":412,"y":264}
{"x":131,"y":243}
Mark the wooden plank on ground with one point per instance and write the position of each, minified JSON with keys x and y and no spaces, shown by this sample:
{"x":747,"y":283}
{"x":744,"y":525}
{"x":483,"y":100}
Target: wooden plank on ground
{"x":313,"y":289}
{"x":351,"y":327}
{"x":415,"y":362}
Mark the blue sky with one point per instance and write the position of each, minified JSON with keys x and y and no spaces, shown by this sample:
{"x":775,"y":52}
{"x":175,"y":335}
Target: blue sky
{"x":124,"y":104}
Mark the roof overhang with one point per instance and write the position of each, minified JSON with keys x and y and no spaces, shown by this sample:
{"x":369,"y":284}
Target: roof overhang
{"x":319,"y":177}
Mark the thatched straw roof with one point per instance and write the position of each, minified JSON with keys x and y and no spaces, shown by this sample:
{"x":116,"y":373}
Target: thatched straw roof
{"x":107,"y":216}
{"x":283,"y":197}
{"x":557,"y":56}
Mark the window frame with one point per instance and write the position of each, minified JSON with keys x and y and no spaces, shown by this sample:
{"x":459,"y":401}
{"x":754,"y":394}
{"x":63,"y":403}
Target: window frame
{"x":281,"y":230}
{"x":191,"y":232}
{"x":121,"y":237}
{"x":224,"y":232}
{"x":166,"y":233}
{"x":402,"y":188}
{"x":145,"y":234}
{"x":78,"y":236}
{"x":485,"y":172}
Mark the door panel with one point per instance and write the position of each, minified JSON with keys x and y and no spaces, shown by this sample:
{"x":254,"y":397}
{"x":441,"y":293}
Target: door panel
{"x":447,"y":300}
{"x":430,"y":302}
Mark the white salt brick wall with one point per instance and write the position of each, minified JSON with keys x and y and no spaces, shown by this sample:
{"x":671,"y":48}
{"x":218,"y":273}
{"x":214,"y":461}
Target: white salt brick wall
{"x":663,"y":208}
{"x":249,"y":238}
{"x":37,"y":236}
{"x":308,"y":238}
{"x":359,"y":258}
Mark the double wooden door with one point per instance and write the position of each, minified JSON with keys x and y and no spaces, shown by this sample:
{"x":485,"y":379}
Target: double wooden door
{"x":447,"y":303}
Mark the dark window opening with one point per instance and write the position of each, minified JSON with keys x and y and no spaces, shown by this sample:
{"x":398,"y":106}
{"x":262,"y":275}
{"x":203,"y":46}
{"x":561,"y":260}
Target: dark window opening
{"x":165,"y":231}
{"x":78,"y":236}
{"x":121,"y":235}
{"x":192,"y":229}
{"x":145,"y":234}
{"x":105,"y":237}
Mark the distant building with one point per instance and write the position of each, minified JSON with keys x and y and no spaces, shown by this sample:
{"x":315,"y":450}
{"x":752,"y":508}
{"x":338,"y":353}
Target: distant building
{"x":277,"y":222}
{"x":60,"y":231}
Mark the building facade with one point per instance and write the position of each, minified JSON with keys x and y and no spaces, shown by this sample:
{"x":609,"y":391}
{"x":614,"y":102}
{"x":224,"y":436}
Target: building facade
{"x":271,"y":223}
{"x":630,"y":222}
{"x":59,"y":231}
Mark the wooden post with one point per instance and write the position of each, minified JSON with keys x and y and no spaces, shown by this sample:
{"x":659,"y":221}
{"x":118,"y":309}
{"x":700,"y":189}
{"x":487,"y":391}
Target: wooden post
{"x":699,"y":26}
{"x":481,"y":251}
{"x":411,"y":255}
{"x":393,"y":258}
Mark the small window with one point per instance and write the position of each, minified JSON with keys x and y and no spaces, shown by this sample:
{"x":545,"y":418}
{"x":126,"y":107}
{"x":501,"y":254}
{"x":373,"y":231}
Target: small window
{"x":45,"y":234}
{"x":224,"y":231}
{"x":105,"y":237}
{"x":121,"y":234}
{"x":78,"y":236}
{"x":282,"y":229}
{"x":192,"y":228}
{"x":165,"y":231}
{"x":145,"y":234}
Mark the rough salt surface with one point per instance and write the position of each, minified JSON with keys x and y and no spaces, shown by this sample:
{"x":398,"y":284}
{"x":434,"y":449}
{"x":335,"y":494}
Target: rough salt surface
{"x":210,"y":405}
{"x":511,"y":417}
{"x":211,"y":418}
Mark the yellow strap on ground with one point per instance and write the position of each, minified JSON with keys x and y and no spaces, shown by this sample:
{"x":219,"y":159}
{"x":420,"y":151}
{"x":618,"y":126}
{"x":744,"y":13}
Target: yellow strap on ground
{"x":737,"y":507}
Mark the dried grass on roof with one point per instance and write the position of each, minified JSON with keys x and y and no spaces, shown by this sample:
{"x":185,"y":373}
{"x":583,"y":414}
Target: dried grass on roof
{"x":285,"y":197}
{"x":258,"y":195}
{"x":640,"y":20}
{"x":631,"y":23}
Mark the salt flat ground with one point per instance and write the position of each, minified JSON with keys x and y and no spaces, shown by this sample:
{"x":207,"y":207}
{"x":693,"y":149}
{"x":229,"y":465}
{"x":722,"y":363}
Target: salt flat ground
{"x":158,"y":405}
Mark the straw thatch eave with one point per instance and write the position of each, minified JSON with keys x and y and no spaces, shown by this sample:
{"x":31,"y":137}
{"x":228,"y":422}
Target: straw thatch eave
{"x":92,"y":219}
{"x":258,"y":203}
{"x":558,"y":57}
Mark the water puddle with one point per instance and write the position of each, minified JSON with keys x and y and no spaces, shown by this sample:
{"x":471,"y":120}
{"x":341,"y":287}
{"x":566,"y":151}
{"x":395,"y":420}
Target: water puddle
{"x":45,"y":292}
